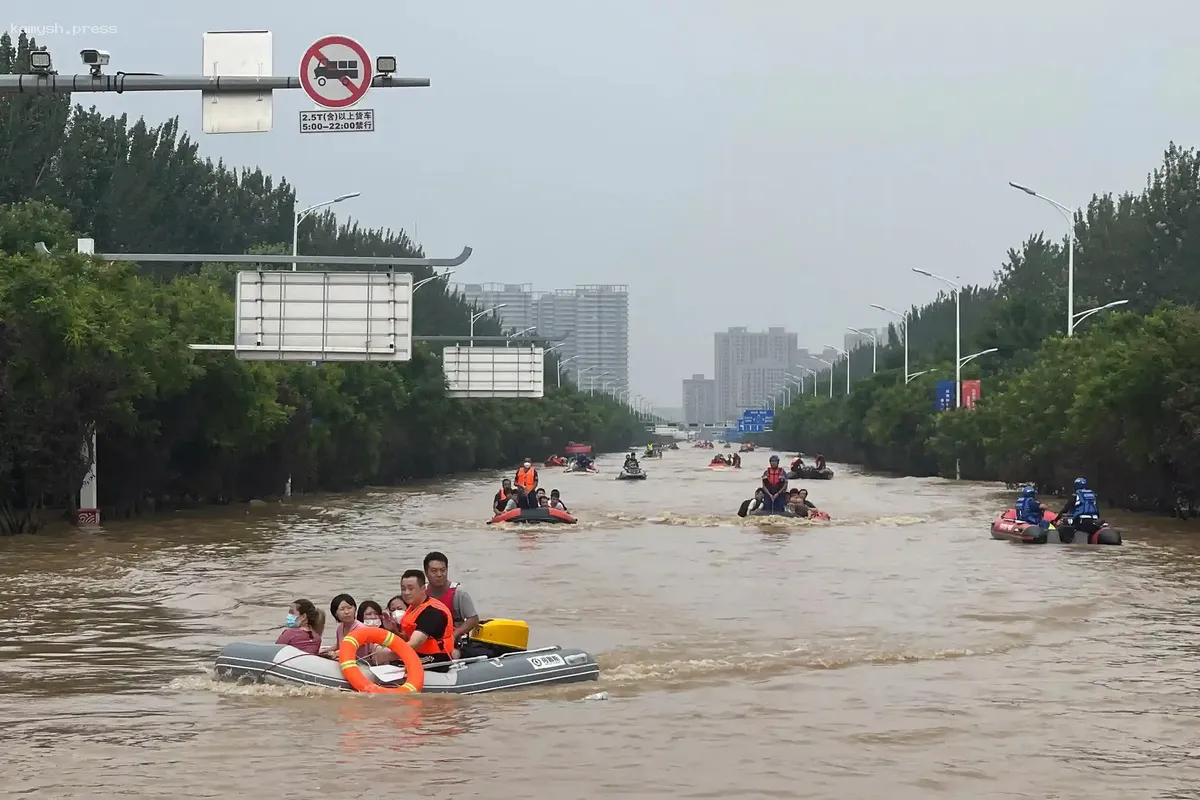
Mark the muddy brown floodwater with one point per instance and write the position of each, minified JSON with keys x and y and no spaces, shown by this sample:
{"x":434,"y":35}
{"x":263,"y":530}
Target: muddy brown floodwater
{"x":897,"y":652}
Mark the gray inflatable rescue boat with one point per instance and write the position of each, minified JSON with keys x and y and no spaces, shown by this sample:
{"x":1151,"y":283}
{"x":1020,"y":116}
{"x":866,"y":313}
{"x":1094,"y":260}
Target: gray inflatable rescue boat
{"x":503,"y":664}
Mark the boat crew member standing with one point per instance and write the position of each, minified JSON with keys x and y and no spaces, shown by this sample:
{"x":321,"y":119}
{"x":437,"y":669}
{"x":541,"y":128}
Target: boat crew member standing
{"x":451,"y":595}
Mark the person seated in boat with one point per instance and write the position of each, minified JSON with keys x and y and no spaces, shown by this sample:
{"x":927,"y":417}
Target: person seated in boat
{"x":1082,"y":511}
{"x":527,"y":476}
{"x":427,"y":625}
{"x":451,"y":595}
{"x":757,"y":502}
{"x":797,"y":463}
{"x":774,"y":484}
{"x":305,"y":624}
{"x":343,"y":609}
{"x":798,"y":502}
{"x":1029,"y":510}
{"x":556,"y":501}
{"x":395,"y":610}
{"x":370,"y":615}
{"x":736,"y":461}
{"x":542,"y":500}
{"x":820,"y":461}
{"x":521,"y":498}
{"x":500,"y":501}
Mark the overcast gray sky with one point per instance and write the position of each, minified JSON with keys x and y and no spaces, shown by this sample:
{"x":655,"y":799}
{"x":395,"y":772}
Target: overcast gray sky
{"x":749,"y":162}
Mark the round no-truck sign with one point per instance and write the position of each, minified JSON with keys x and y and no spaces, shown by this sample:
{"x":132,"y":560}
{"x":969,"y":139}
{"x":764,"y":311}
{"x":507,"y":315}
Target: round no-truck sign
{"x":336,"y":72}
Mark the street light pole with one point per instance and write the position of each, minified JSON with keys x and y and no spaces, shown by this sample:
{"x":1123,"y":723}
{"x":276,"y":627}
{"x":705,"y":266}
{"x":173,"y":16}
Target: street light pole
{"x":521,"y":333}
{"x":874,"y":346}
{"x":1082,"y":315}
{"x":814,"y":374}
{"x":1069,"y":215}
{"x":432,"y":278}
{"x":298,"y":216}
{"x":559,"y":367}
{"x":846,"y":353}
{"x":830,"y":365}
{"x":904,"y":333}
{"x":954,"y":287}
{"x":483,"y":313}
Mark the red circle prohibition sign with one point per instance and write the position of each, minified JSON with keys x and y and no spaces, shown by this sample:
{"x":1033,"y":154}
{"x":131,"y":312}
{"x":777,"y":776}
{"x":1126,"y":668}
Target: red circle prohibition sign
{"x":357,"y":90}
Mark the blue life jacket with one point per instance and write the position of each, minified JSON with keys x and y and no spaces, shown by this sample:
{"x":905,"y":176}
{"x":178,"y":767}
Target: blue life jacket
{"x":1028,"y":510}
{"x":1086,"y":504}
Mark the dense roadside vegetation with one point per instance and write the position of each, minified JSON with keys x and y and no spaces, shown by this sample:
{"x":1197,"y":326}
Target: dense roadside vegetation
{"x":84,"y":341}
{"x":1119,"y":402}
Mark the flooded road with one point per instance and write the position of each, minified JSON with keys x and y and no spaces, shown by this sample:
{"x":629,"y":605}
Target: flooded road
{"x":896,"y":652}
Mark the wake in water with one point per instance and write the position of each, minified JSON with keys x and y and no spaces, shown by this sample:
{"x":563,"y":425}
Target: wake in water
{"x":636,"y":671}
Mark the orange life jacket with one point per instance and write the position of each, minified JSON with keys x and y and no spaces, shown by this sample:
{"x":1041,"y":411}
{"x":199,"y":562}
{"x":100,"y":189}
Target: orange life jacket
{"x":429,"y":647}
{"x":774,"y":477}
{"x":527,"y":478}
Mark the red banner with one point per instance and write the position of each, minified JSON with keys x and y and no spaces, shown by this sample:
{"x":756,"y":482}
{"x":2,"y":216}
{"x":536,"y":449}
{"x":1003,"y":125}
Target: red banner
{"x":971,"y":391}
{"x":574,"y":449}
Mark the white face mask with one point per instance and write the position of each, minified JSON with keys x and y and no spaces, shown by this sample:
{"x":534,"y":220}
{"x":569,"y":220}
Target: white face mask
{"x":372,"y":623}
{"x":398,"y":614}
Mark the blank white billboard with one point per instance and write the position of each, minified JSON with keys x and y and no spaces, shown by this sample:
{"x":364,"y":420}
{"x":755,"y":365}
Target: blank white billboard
{"x":496,"y":372}
{"x":324,"y":316}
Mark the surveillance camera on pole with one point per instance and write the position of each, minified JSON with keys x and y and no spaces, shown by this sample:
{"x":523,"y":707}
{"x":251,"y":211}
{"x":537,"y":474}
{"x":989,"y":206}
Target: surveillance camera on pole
{"x":385,"y":66}
{"x":97,"y":60}
{"x":40,"y":62}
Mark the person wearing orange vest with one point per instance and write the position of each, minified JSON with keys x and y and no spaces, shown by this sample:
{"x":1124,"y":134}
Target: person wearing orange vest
{"x":774,"y":485}
{"x":427,"y":625}
{"x":500,"y":501}
{"x":527,"y":476}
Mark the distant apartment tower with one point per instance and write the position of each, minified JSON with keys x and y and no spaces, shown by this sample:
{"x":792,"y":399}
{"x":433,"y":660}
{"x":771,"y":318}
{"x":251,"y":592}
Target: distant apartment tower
{"x":749,"y":367}
{"x":518,"y":299}
{"x":600,"y":333}
{"x":592,"y":322}
{"x":700,"y":400}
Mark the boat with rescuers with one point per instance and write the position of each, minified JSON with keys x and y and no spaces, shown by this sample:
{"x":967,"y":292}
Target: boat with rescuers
{"x":1008,"y":527}
{"x":534,"y":515}
{"x":505,"y":662}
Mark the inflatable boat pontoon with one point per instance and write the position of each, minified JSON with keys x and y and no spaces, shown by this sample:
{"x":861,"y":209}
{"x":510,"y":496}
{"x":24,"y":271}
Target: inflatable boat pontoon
{"x":251,"y":662}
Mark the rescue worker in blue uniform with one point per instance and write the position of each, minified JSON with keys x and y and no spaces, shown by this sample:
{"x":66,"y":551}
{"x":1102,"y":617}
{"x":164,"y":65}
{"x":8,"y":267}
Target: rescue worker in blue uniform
{"x":1082,"y":511}
{"x":1029,"y":509}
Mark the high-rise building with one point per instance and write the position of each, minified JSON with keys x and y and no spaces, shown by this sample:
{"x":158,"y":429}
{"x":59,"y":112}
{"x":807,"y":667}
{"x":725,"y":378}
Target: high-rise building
{"x":518,"y":299}
{"x":600,"y":334}
{"x":700,"y":400}
{"x":592,"y":322}
{"x":749,"y":366}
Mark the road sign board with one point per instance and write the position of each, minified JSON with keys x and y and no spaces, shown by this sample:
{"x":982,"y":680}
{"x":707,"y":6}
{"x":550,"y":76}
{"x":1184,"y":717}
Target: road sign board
{"x":361,"y":120}
{"x":495,"y":372}
{"x":758,"y":414}
{"x":336,"y":72}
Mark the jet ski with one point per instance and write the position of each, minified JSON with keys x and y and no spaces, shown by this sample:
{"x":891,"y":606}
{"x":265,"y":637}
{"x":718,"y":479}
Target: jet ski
{"x":502,"y":661}
{"x":576,"y":467}
{"x":633,"y":472}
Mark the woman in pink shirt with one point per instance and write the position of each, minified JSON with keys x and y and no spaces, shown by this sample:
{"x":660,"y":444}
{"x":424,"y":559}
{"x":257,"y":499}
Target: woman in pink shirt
{"x":343,"y":609}
{"x":305,"y":624}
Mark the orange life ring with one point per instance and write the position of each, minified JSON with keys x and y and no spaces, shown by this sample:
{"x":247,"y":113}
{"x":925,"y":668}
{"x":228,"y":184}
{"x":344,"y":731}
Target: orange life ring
{"x":414,"y":679}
